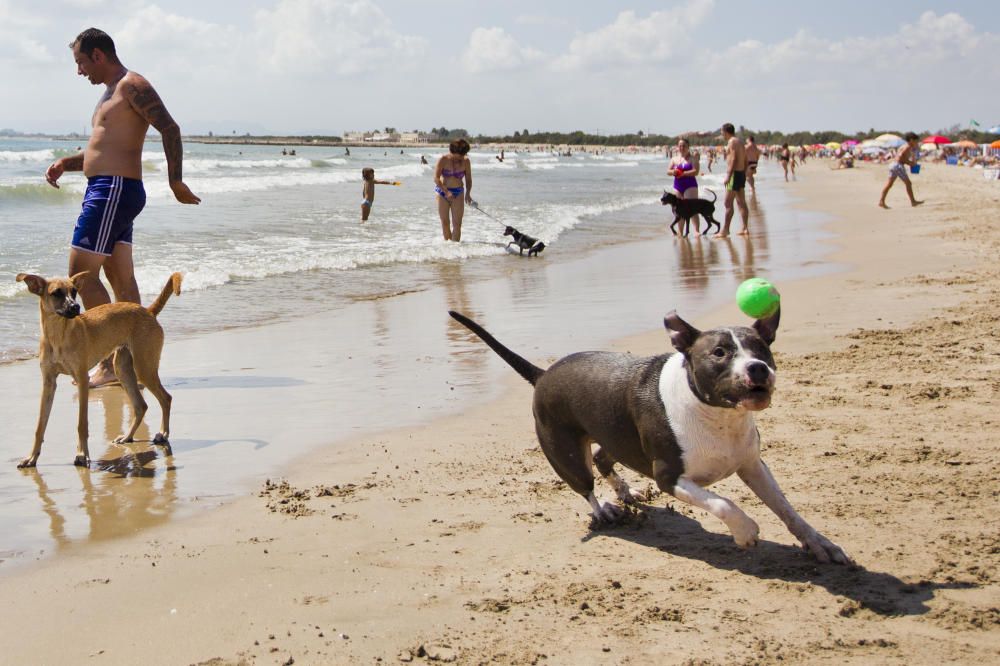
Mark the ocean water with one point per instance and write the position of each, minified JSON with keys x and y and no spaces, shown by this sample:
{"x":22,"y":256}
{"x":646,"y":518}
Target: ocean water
{"x":276,"y":235}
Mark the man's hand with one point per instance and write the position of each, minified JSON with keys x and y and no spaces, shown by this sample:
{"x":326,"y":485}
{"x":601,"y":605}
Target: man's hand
{"x":53,"y":173}
{"x":183,"y":193}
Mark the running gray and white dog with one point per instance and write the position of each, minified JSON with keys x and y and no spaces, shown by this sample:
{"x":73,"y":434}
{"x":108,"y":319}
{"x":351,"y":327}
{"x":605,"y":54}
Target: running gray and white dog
{"x":685,"y":420}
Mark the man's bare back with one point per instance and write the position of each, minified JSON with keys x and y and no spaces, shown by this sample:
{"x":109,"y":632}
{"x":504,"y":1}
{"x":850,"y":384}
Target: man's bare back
{"x":736,"y":155}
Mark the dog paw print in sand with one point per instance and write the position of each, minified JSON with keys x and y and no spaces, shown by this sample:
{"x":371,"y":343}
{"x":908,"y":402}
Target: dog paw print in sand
{"x":433,"y":652}
{"x":282,"y":497}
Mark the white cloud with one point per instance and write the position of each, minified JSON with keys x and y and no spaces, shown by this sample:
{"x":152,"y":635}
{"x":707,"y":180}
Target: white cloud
{"x":343,"y":36}
{"x":177,"y":43}
{"x":492,"y":49}
{"x":931,"y":43}
{"x":16,"y":44}
{"x":630,"y":40}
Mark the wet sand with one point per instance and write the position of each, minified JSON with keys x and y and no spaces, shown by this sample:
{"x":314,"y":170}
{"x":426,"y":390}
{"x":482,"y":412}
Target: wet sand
{"x":453,"y":540}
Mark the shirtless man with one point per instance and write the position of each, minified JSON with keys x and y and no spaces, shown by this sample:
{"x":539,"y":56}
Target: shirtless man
{"x":112,"y":162}
{"x":736,"y":178}
{"x":753,"y":156}
{"x":907,"y":156}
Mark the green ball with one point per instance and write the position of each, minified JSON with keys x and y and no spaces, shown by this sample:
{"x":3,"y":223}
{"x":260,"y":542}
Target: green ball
{"x":758,"y":298}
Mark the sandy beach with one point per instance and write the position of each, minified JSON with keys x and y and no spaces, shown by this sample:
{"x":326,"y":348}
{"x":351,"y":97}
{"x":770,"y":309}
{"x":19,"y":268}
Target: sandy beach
{"x":454,"y":541}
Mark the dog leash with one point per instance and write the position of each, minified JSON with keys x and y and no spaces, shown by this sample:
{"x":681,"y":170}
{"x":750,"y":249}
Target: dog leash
{"x":475,"y":204}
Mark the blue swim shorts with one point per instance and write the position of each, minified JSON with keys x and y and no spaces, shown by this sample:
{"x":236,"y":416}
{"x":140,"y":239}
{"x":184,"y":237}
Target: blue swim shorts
{"x":110,"y":205}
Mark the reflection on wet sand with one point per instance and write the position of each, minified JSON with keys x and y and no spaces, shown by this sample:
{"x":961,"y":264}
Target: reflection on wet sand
{"x":130,"y":487}
{"x":694,"y":259}
{"x":699,"y":258}
{"x":461,"y":341}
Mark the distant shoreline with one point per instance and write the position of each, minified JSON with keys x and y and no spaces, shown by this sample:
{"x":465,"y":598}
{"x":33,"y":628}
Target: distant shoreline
{"x":302,"y":141}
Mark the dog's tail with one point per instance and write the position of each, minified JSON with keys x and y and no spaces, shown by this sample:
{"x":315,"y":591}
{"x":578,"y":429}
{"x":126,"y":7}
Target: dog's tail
{"x":173,"y":285}
{"x":523,"y":367}
{"x":714,"y":197}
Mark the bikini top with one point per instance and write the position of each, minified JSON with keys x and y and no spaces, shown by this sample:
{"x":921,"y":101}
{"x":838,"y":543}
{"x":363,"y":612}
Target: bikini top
{"x":448,"y":173}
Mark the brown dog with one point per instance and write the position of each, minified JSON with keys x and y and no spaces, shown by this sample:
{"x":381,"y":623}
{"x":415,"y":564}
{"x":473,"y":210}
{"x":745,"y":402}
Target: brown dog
{"x":73,"y":343}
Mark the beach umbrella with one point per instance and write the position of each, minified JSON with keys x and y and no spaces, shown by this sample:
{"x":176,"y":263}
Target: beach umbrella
{"x":889,"y":140}
{"x":965,"y":143}
{"x":995,"y":144}
{"x":833,"y":145}
{"x":936,"y":139}
{"x":849,"y":142}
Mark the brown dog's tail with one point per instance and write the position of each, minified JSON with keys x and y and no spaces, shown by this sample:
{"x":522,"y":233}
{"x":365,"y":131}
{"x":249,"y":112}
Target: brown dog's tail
{"x":173,"y":285}
{"x":523,"y":367}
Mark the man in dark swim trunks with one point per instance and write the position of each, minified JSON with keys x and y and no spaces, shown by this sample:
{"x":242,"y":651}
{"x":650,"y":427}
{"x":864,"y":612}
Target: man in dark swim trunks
{"x":112,"y":162}
{"x":736,"y":178}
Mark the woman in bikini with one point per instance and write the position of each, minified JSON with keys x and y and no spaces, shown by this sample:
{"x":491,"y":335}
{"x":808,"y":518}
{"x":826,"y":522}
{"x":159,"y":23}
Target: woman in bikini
{"x":452,"y":170}
{"x":784,"y":157}
{"x":685,"y":167}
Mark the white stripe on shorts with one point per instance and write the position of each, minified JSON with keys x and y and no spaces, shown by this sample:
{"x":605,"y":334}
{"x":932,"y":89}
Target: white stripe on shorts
{"x":107,"y":221}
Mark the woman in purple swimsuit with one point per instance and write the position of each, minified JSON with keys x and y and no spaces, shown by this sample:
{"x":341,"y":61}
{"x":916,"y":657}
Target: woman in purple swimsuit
{"x":452,"y":169}
{"x":685,"y":167}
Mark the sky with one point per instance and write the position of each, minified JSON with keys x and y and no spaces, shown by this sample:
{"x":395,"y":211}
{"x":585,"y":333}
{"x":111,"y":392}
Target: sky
{"x":499,"y":66}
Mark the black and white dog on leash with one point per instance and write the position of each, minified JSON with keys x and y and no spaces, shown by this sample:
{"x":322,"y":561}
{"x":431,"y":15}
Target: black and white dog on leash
{"x":684,"y":420}
{"x":524,"y":242}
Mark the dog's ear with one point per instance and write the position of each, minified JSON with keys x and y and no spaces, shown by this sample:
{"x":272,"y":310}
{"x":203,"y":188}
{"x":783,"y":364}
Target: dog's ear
{"x":768,"y":328}
{"x":36,"y":283}
{"x":80,"y":278}
{"x":682,"y":334}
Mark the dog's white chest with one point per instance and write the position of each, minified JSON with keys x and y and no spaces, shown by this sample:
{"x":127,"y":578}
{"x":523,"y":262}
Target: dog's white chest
{"x":714,"y":441}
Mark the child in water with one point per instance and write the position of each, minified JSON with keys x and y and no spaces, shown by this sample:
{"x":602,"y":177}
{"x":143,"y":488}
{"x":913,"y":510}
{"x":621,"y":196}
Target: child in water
{"x":368,"y":191}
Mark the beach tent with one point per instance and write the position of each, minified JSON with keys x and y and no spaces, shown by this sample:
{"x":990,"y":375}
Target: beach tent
{"x":936,"y":139}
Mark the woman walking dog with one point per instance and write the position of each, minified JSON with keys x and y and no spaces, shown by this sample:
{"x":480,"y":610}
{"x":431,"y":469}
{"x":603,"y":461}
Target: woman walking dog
{"x":685,"y":167}
{"x":451,"y":172}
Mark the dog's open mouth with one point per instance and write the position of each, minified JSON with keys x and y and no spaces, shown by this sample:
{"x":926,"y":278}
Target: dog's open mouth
{"x":756,"y":398}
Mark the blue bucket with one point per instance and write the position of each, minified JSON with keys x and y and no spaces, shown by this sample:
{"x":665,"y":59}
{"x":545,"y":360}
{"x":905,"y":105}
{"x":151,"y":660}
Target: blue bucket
{"x":914,"y":168}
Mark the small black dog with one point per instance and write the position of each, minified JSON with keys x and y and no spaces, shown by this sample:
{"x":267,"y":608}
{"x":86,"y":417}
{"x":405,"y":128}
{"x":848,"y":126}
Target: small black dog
{"x":685,"y":209}
{"x":524,"y":242}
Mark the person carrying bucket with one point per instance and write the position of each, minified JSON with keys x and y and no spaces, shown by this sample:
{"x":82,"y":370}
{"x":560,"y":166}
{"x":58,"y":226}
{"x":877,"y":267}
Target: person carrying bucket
{"x":906,"y":156}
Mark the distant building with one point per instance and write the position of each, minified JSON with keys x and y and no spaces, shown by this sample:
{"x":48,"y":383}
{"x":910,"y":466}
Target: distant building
{"x":381,"y":136}
{"x":413,"y":137}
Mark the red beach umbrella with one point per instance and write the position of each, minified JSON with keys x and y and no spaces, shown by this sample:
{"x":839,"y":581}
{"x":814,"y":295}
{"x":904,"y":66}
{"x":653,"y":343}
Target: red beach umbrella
{"x":936,"y":139}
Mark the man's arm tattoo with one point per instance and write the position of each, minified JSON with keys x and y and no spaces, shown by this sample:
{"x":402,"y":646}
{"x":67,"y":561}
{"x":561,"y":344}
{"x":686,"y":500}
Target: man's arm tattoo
{"x":174,"y":152}
{"x":147,"y":103}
